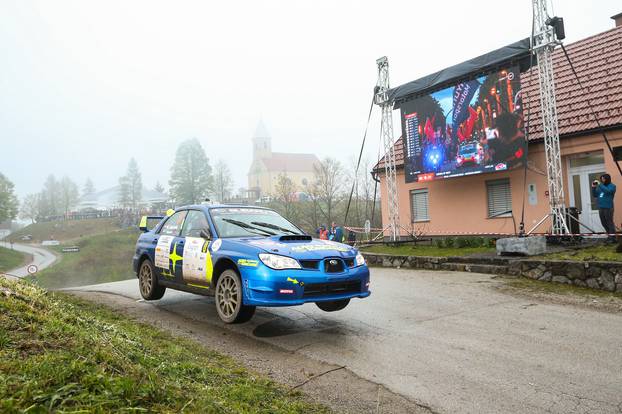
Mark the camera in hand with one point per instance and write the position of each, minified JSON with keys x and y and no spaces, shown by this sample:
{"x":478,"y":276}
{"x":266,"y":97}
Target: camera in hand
{"x":595,"y":183}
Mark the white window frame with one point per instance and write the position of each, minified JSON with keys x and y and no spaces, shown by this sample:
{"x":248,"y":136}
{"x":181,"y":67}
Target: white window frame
{"x":501,"y":186}
{"x":413,"y":213}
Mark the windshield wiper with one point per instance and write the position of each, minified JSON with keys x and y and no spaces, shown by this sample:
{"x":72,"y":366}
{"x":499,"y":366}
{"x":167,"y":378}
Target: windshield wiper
{"x":273,"y":227}
{"x":248,"y":227}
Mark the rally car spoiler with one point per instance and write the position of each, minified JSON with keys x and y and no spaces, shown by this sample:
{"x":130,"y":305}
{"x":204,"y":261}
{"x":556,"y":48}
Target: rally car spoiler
{"x":149,"y":222}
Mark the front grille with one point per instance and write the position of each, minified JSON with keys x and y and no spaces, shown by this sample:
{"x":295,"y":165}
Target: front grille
{"x":333,"y":266}
{"x":333,"y":288}
{"x":310,"y":264}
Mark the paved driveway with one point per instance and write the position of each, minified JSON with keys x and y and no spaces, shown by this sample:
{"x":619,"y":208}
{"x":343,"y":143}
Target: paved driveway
{"x":448,"y":340}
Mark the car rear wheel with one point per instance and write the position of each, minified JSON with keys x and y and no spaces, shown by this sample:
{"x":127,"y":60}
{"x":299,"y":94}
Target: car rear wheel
{"x":148,"y":282}
{"x":229,"y":299}
{"x":333,"y":306}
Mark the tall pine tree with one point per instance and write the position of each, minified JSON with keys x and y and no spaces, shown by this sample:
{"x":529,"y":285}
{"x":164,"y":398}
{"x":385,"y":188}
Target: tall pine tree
{"x":191,"y":175}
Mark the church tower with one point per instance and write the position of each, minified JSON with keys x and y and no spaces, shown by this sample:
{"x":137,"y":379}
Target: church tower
{"x":262,"y":143}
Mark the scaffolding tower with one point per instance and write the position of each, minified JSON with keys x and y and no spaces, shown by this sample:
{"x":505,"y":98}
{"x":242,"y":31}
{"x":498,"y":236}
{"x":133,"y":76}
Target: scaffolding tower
{"x":543,"y":42}
{"x":381,"y":99}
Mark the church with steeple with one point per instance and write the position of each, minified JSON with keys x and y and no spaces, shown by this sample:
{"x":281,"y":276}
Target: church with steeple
{"x":267,"y":166}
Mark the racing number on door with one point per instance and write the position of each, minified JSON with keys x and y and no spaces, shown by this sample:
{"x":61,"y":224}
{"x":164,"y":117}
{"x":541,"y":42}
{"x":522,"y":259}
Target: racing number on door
{"x":197,"y":260}
{"x":169,"y":250}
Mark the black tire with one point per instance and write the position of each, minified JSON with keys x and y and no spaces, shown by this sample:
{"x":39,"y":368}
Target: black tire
{"x":333,"y":306}
{"x":148,"y":282}
{"x":228,"y":299}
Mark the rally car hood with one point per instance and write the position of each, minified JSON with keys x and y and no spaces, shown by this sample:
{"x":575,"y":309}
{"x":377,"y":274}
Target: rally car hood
{"x":300,"y":249}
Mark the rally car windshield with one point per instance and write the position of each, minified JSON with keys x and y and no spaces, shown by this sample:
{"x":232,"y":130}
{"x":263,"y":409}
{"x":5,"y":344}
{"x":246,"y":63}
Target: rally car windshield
{"x":243,"y":222}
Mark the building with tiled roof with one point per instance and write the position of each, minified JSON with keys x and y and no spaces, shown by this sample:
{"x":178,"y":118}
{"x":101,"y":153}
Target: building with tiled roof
{"x":466,"y":204}
{"x":267,"y":166}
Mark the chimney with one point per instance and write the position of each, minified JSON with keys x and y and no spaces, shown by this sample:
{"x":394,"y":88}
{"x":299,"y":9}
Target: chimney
{"x":618,"y":19}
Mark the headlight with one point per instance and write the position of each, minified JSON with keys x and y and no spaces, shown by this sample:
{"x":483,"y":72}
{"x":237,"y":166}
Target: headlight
{"x":360,"y":260}
{"x":274,"y":261}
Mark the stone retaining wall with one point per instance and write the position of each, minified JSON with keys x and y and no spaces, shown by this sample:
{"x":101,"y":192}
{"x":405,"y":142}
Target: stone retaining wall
{"x":596,"y":275}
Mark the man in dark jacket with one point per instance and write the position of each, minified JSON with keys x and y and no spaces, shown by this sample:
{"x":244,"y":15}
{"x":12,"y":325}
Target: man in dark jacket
{"x":604,"y":191}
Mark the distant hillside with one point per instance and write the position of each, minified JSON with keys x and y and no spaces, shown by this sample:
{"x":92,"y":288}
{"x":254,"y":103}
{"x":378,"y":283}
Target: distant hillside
{"x":65,"y":230}
{"x":102,"y":258}
{"x":10,"y":259}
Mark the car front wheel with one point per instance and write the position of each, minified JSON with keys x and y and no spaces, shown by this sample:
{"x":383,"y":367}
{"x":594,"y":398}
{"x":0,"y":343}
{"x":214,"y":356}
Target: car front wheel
{"x":148,"y":282}
{"x":333,"y":306}
{"x":229,"y":299}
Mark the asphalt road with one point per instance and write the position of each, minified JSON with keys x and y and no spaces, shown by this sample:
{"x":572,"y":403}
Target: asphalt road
{"x":448,"y":340}
{"x":41,"y":258}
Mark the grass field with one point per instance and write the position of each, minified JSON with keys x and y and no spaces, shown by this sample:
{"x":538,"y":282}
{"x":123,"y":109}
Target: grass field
{"x":60,"y":354}
{"x":594,"y":253}
{"x":102,"y":258}
{"x":409,"y":250}
{"x":65,"y":230}
{"x":10,"y":259}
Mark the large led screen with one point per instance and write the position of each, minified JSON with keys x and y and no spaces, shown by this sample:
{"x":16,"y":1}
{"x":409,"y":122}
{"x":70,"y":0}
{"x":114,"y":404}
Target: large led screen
{"x":470,"y":128}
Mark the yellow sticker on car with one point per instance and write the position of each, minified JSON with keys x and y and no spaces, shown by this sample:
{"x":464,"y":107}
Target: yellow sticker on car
{"x":248,"y":262}
{"x":197,"y":265}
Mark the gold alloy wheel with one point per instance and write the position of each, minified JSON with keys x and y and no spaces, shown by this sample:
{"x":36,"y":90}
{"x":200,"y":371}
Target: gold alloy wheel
{"x":228,"y":295}
{"x":145,"y":279}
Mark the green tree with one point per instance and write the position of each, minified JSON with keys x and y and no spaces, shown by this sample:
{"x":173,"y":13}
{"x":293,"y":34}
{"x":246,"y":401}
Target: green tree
{"x":328,"y":187}
{"x":123,"y":196}
{"x":285,"y":192}
{"x":131,"y":186}
{"x":8,"y":201}
{"x":69,"y":194}
{"x":191,"y":175}
{"x":223,"y":182}
{"x":49,"y":198}
{"x":159,"y":187}
{"x":135,"y":182}
{"x":29,"y":209}
{"x":89,"y":187}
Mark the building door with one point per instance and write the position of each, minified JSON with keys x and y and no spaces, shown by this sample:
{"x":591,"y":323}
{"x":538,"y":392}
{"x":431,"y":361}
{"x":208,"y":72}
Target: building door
{"x":582,"y":170}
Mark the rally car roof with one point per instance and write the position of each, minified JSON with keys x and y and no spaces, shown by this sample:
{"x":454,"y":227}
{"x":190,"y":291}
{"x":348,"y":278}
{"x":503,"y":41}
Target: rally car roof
{"x":211,"y":206}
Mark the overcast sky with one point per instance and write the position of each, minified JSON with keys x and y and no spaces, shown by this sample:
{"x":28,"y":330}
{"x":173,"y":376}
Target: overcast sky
{"x":86,"y":85}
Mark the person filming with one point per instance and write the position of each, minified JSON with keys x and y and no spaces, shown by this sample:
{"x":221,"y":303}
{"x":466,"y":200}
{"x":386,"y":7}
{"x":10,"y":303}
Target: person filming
{"x":604,"y":191}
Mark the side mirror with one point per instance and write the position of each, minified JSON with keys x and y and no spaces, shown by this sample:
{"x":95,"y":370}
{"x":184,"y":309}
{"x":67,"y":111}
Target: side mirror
{"x":143,"y":224}
{"x":206,"y":234}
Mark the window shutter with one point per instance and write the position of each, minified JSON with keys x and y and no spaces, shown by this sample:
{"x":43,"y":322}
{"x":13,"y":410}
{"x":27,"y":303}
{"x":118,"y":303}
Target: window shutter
{"x":419,"y":205}
{"x":499,"y":198}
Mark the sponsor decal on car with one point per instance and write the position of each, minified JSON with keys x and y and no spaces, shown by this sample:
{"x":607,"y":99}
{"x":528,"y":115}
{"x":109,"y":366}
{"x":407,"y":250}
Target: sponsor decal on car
{"x":248,"y":262}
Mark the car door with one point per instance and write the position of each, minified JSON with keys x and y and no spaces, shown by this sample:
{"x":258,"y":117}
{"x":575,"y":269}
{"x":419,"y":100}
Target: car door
{"x":197,"y":261}
{"x":169,"y":251}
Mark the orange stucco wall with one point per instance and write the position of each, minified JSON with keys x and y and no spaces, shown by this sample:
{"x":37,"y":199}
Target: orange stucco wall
{"x":459,"y":205}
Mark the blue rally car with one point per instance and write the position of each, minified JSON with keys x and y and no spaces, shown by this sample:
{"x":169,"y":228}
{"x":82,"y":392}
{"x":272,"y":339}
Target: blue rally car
{"x":246,"y":257}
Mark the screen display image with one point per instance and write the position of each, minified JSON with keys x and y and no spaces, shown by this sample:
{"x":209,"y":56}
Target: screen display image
{"x":470,"y":128}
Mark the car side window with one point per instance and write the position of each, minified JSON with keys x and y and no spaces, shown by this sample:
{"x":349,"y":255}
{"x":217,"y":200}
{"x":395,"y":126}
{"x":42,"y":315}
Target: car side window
{"x":173,"y":225}
{"x":195,"y":222}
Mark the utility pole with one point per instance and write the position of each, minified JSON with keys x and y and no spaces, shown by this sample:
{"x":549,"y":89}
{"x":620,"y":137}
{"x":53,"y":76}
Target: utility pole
{"x":381,"y":99}
{"x":543,"y":42}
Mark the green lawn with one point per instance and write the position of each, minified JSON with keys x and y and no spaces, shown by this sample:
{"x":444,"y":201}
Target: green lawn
{"x":65,"y":230}
{"x":61,"y":354}
{"x":594,"y":253}
{"x":10,"y":259}
{"x":102,"y":258}
{"x":409,"y":250}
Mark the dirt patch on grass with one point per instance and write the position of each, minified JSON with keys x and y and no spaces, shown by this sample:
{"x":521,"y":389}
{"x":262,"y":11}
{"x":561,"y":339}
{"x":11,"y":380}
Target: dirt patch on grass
{"x":559,"y":293}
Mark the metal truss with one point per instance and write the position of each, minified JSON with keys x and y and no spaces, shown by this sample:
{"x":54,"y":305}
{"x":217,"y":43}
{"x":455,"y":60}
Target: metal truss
{"x":386,"y":131}
{"x":543,"y":44}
